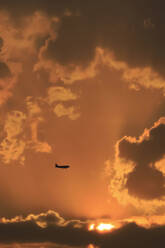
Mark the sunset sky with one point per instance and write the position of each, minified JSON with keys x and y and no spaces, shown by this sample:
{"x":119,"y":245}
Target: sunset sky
{"x":82,"y":82}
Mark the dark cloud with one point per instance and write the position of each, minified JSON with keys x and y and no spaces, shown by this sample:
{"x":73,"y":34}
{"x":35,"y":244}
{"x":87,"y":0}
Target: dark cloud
{"x":75,"y":43}
{"x":4,"y":70}
{"x":1,"y":43}
{"x":27,"y":230}
{"x":19,"y":8}
{"x":46,"y":227}
{"x":133,"y":30}
{"x":145,"y":181}
{"x":40,"y":41}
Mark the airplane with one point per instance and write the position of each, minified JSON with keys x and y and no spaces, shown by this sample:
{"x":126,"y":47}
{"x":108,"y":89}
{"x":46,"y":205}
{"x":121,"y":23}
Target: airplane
{"x":62,"y":166}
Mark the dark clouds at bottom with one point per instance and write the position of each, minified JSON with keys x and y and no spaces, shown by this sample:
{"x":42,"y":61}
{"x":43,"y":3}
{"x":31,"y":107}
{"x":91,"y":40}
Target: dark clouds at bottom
{"x":34,"y":245}
{"x":50,"y":228}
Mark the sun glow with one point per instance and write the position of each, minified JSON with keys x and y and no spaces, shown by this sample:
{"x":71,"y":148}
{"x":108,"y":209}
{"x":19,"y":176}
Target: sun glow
{"x":102,"y":227}
{"x":91,"y":227}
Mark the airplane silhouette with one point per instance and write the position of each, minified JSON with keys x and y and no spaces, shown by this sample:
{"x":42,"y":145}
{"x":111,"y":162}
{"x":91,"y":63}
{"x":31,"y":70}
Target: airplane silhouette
{"x":66,"y":166}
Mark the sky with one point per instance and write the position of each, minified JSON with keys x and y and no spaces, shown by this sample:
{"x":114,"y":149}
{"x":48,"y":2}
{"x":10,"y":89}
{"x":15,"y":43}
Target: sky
{"x":82,"y":83}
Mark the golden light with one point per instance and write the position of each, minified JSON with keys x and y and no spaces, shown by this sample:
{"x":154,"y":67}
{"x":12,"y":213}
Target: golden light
{"x":91,"y":227}
{"x":102,"y":227}
{"x":90,"y":246}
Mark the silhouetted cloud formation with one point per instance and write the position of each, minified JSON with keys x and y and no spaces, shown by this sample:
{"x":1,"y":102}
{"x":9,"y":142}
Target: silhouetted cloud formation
{"x":45,"y":227}
{"x":68,"y":35}
{"x":133,"y":30}
{"x":51,"y":228}
{"x":145,"y":180}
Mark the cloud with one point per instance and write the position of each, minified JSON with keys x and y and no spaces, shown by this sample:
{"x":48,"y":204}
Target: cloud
{"x":19,"y":41}
{"x":59,"y":93}
{"x":64,"y":39}
{"x":32,"y":106}
{"x":136,"y":77}
{"x":50,"y":230}
{"x":12,"y":148}
{"x":16,"y":138}
{"x":134,"y":36}
{"x":44,"y":227}
{"x":138,"y":175}
{"x":68,"y":73}
{"x":75,"y":44}
{"x":20,"y":133}
{"x":20,"y":130}
{"x":34,"y":245}
{"x":4,"y":70}
{"x":17,"y":45}
{"x":45,"y":219}
{"x":60,"y":110}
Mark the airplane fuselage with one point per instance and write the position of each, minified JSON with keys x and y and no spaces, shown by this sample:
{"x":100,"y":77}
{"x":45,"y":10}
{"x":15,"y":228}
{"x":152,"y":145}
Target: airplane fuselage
{"x":62,"y":166}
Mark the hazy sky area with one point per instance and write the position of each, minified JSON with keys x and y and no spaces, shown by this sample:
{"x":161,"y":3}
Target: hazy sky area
{"x":82,"y":82}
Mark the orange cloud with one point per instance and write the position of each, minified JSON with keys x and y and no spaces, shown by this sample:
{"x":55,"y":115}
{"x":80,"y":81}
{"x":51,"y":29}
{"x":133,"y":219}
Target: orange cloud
{"x":60,"y":110}
{"x":59,"y":93}
{"x":67,"y":73}
{"x":12,"y":148}
{"x":21,"y":128}
{"x":136,"y":77}
{"x":17,"y":140}
{"x":17,"y":45}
